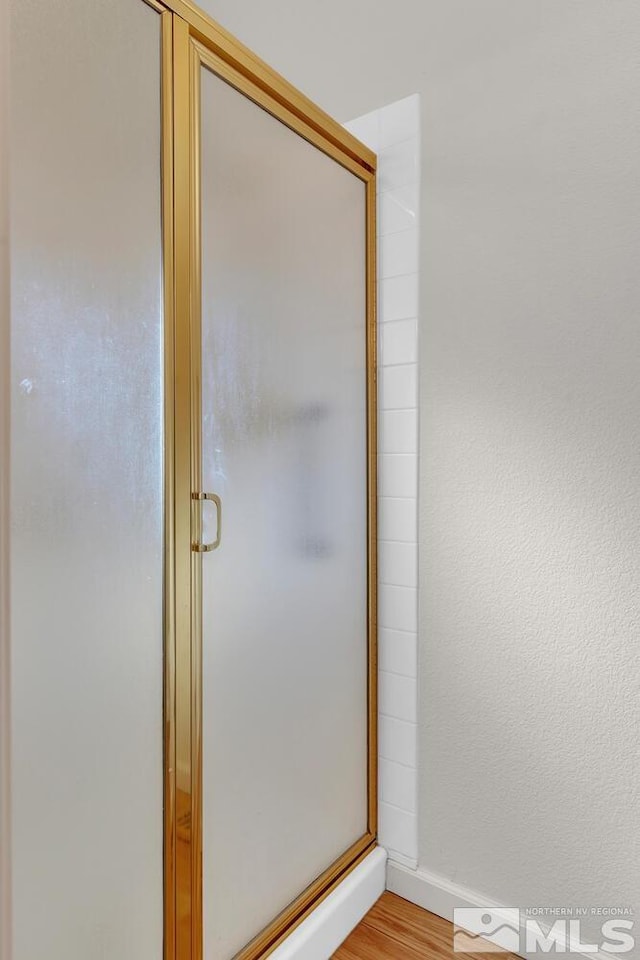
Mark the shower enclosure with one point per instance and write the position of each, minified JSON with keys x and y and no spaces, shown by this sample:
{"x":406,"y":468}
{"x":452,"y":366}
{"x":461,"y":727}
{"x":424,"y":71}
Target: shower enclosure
{"x":193,"y":490}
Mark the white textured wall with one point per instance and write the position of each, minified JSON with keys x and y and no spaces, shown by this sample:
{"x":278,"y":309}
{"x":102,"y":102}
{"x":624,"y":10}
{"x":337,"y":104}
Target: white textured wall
{"x":530,"y":338}
{"x":530,"y":494}
{"x":530,"y":561}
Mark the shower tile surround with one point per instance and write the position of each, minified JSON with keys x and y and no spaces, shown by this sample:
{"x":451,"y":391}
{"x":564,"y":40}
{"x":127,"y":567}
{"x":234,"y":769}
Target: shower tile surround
{"x":394,"y":133}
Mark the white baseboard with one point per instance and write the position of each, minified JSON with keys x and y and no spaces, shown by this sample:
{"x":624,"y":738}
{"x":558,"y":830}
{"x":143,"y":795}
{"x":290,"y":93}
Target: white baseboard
{"x":439,"y":895}
{"x":431,"y":891}
{"x":319,"y":936}
{"x":401,"y":858}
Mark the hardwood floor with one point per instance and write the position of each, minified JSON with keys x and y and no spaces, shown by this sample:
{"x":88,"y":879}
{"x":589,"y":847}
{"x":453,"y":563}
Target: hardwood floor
{"x":395,"y":929}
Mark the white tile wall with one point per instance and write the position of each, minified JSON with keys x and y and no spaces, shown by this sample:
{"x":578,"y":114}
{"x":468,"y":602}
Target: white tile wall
{"x":398,"y":785}
{"x":398,"y":343}
{"x":398,"y":697}
{"x":397,"y":652}
{"x":397,"y":475}
{"x":398,"y":209}
{"x":398,"y":564}
{"x":398,"y":295}
{"x":398,"y":254}
{"x":397,"y":739}
{"x":394,"y":133}
{"x":398,"y":431}
{"x":398,"y":386}
{"x":397,"y":519}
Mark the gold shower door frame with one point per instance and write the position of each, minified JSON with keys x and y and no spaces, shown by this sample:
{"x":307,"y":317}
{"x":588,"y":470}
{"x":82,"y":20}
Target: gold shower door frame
{"x":192,"y":41}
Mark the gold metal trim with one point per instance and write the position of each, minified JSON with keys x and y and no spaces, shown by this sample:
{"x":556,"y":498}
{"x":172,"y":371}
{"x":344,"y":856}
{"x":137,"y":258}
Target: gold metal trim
{"x":170,"y":822}
{"x":188,"y":864}
{"x":290,"y":918}
{"x":372,"y":496}
{"x":282,"y":111}
{"x":223,"y":44}
{"x":197,"y":926}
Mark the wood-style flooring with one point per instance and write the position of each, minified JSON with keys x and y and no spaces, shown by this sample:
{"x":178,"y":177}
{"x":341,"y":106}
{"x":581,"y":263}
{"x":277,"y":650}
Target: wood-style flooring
{"x":395,"y":929}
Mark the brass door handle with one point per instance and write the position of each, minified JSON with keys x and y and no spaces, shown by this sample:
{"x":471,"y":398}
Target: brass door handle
{"x":207,"y":547}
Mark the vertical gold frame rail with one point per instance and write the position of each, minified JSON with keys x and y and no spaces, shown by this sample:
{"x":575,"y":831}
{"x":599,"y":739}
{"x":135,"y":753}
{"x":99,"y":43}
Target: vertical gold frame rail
{"x":188,"y":709}
{"x":372,"y":499}
{"x":170,"y":659}
{"x":195,"y":42}
{"x":197,"y":931}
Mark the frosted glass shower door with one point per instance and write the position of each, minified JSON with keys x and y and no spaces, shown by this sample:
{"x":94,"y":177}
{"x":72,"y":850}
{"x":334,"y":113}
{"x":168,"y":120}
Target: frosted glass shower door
{"x":284,"y":446}
{"x":86,"y":476}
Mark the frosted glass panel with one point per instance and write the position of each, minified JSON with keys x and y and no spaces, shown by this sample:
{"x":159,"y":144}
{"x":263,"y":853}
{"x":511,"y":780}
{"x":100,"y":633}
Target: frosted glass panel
{"x":284,"y":445}
{"x":86,"y":480}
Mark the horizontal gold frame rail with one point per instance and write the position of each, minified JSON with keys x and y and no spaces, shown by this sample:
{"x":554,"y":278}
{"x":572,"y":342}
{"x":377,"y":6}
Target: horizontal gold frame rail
{"x":224,"y":45}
